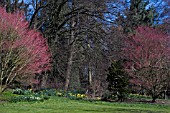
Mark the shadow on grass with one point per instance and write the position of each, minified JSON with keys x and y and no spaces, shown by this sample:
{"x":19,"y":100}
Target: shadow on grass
{"x":121,"y":110}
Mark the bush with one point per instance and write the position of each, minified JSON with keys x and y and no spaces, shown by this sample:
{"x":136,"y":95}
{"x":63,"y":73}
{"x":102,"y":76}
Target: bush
{"x":25,"y":51}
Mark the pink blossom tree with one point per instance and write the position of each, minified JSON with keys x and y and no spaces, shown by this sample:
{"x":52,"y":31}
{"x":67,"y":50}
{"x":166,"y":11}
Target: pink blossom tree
{"x":23,"y":52}
{"x":147,"y":53}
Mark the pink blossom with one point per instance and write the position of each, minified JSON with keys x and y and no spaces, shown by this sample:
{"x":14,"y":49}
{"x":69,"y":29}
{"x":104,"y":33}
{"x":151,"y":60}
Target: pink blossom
{"x":30,"y":45}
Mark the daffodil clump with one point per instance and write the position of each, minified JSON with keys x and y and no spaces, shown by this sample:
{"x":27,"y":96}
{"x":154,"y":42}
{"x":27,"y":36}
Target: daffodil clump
{"x":78,"y":95}
{"x":71,"y":95}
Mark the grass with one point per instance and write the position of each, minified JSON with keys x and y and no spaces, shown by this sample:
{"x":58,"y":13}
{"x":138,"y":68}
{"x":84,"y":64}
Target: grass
{"x":64,"y":105}
{"x":7,"y":95}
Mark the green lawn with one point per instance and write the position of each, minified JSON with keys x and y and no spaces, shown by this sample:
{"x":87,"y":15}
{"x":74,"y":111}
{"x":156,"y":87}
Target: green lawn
{"x":63,"y":105}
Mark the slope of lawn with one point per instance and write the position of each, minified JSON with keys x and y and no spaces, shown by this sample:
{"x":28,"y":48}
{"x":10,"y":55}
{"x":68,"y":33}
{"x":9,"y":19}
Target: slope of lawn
{"x":64,"y":105}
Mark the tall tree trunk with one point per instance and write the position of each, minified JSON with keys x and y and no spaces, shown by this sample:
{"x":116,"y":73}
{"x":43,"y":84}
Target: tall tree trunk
{"x":44,"y":81}
{"x":69,"y":67}
{"x":71,"y":52}
{"x":90,"y":75}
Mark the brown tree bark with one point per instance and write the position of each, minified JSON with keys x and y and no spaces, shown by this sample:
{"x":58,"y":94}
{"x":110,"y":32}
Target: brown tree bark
{"x":71,"y":52}
{"x":69,"y":67}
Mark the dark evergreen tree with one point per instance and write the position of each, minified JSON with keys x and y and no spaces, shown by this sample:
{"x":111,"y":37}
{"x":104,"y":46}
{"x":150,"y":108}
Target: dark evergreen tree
{"x":118,"y":80}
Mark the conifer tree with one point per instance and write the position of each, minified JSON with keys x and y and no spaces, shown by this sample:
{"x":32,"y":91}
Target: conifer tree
{"x":118,"y":80}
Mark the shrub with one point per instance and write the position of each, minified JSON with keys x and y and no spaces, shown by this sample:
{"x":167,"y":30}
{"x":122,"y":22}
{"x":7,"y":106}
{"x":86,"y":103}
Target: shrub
{"x":24,"y":52}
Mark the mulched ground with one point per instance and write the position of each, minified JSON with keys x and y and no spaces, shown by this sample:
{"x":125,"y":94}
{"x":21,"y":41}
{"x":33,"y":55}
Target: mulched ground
{"x":158,"y":101}
{"x":131,"y":100}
